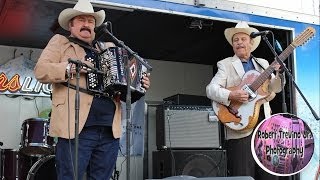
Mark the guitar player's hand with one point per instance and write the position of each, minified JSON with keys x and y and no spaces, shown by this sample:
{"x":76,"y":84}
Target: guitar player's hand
{"x":239,"y":95}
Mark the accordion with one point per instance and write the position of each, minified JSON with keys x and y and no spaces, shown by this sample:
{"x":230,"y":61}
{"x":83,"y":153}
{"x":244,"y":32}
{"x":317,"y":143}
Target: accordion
{"x":114,"y":79}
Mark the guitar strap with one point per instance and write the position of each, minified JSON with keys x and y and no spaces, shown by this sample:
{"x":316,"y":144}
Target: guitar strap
{"x":256,"y":60}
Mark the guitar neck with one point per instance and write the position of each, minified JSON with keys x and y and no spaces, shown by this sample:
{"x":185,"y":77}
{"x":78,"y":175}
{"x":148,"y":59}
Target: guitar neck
{"x":267,"y":72}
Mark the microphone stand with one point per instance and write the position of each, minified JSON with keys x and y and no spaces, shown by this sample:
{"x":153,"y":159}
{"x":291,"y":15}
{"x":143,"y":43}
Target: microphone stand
{"x":264,"y":37}
{"x":79,"y":66}
{"x":76,"y":122}
{"x":284,"y":105}
{"x":128,"y":95}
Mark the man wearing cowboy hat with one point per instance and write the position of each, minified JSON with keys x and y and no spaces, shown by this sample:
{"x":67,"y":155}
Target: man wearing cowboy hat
{"x":99,"y":116}
{"x":229,"y":74}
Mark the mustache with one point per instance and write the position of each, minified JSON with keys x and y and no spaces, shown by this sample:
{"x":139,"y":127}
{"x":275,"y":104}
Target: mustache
{"x":85,"y":29}
{"x":240,"y":46}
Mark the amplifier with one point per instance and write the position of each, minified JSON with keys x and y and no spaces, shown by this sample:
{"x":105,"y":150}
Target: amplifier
{"x":186,"y":99}
{"x":187,"y":127}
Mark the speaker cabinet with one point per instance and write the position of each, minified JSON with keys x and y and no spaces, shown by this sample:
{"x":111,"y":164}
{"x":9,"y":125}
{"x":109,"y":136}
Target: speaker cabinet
{"x":187,"y":127}
{"x":196,"y":163}
{"x":185,"y":99}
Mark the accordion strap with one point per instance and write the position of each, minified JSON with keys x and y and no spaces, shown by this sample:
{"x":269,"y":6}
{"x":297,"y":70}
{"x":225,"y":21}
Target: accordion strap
{"x":82,"y":44}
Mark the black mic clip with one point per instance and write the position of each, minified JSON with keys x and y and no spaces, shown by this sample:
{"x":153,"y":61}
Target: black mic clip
{"x":77,"y":62}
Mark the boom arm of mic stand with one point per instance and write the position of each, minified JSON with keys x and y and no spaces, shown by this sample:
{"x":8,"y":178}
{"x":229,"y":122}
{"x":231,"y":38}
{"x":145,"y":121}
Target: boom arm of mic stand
{"x":129,"y":50}
{"x":264,"y":37}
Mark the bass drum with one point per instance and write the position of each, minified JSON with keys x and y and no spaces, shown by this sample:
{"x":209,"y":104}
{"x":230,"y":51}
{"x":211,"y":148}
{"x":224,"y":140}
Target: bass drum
{"x":43,"y":169}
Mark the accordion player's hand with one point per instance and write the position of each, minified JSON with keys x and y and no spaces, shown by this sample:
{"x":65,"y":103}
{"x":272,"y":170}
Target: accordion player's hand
{"x":146,"y":81}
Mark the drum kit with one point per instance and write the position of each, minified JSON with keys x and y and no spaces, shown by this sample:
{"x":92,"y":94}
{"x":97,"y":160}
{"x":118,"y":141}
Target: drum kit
{"x":35,"y":159}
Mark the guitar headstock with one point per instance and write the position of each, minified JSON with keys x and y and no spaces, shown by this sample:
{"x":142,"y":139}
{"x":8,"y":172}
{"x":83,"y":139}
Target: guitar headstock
{"x":303,"y":37}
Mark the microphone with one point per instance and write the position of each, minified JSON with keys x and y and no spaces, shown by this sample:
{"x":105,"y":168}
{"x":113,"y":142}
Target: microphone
{"x":260,"y":33}
{"x":101,"y":27}
{"x":102,"y":30}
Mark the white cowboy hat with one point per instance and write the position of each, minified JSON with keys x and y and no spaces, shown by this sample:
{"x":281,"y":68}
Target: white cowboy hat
{"x":244,"y":28}
{"x":83,"y":7}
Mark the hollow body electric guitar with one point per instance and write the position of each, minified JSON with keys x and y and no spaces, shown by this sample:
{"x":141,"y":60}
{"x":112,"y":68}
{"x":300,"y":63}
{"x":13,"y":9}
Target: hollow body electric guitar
{"x":244,"y":116}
